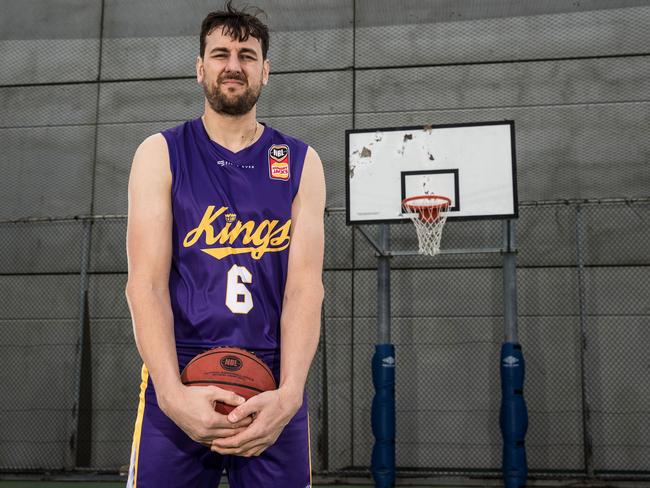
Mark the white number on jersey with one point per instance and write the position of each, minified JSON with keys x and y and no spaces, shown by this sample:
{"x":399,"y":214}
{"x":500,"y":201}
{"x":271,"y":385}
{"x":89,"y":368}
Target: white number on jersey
{"x":238,"y":298}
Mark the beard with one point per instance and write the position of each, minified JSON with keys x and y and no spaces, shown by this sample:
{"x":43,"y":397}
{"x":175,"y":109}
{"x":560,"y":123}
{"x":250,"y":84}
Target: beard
{"x":231,"y":104}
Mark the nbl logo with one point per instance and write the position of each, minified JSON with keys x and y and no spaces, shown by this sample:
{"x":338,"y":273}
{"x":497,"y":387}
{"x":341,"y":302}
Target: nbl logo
{"x":231,"y":363}
{"x":279,"y":162}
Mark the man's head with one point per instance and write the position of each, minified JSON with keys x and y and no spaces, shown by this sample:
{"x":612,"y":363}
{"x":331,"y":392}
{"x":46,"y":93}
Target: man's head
{"x":232,"y":65}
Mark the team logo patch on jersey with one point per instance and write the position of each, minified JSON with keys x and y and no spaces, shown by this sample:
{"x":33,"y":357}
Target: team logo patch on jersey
{"x":279,"y":162}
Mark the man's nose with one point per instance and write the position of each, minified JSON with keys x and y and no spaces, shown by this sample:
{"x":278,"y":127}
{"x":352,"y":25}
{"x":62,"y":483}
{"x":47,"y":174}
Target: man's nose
{"x":233,"y":63}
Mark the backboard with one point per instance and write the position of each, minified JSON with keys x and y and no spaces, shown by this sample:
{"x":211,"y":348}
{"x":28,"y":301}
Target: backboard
{"x":472,"y":164}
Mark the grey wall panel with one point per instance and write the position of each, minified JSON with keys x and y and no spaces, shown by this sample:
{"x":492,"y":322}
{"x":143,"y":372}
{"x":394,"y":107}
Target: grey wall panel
{"x":547,"y":291}
{"x":546,"y":236}
{"x":30,"y":247}
{"x":48,"y":105}
{"x":286,"y":94}
{"x":311,"y":50}
{"x":37,"y":411}
{"x":327,"y":93}
{"x":362,"y":439}
{"x":616,"y":234}
{"x":338,"y":242}
{"x":46,"y":171}
{"x":578,"y":34}
{"x":43,"y":41}
{"x":47,"y":297}
{"x":475,"y":291}
{"x":48,"y":61}
{"x":106,"y":300}
{"x":339,"y":388}
{"x":617,"y":391}
{"x":557,"y":82}
{"x":552,"y":390}
{"x":149,"y":101}
{"x":385,"y":12}
{"x":581,"y":151}
{"x":45,"y":19}
{"x":617,"y":291}
{"x":108,"y":246}
{"x":125,"y":18}
{"x":148,"y":57}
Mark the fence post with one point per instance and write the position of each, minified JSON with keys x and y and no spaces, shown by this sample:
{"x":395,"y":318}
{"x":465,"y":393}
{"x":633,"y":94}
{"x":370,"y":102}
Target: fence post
{"x":76,"y":420}
{"x":586,"y":420}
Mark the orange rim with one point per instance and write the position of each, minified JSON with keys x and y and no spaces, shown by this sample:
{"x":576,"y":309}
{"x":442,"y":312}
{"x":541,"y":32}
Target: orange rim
{"x":436,"y":204}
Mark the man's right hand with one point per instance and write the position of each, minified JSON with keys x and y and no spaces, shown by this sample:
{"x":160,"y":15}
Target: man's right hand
{"x":192,"y":409}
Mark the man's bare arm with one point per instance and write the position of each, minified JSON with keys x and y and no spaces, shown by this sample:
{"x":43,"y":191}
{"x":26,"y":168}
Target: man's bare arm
{"x":149,"y":247}
{"x":303,"y":296}
{"x":148,"y":243}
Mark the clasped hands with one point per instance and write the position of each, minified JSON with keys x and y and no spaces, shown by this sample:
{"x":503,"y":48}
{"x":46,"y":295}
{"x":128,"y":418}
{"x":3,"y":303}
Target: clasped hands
{"x":253,"y":426}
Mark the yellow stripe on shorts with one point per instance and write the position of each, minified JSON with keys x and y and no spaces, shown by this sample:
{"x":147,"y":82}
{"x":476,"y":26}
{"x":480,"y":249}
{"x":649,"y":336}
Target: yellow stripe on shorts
{"x":309,"y":447}
{"x":135,"y":448}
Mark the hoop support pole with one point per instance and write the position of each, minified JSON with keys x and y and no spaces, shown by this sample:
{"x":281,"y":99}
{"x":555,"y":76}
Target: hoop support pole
{"x":383,"y":375}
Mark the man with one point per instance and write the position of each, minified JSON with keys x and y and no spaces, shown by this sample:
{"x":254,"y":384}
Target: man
{"x":225,"y":248}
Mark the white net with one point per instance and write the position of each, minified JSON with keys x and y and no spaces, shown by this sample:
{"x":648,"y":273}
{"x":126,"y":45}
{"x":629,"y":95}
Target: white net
{"x":428,"y":214}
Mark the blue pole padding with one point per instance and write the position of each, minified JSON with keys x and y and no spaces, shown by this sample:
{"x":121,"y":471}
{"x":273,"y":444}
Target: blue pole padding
{"x":383,"y":416}
{"x":514,"y":416}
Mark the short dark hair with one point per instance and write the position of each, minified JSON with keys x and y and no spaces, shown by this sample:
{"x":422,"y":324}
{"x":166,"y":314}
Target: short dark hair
{"x":238,"y":24}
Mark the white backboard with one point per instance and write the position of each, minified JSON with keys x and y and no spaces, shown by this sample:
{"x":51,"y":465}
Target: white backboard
{"x":473,"y":164}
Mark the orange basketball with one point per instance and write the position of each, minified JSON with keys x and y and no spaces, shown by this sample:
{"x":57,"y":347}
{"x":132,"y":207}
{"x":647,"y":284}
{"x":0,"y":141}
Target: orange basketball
{"x":230,"y":368}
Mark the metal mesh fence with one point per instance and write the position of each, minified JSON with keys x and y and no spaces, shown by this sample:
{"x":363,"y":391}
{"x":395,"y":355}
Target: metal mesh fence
{"x":79,"y":93}
{"x":582,"y":317}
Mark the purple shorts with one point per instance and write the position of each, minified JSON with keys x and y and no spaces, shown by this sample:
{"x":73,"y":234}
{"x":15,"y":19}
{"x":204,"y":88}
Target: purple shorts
{"x":164,"y":456}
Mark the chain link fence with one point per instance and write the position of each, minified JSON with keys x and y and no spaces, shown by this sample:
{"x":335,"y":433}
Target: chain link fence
{"x":70,"y":361}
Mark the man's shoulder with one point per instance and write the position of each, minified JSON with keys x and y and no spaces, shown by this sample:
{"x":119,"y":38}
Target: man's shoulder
{"x":178,"y":129}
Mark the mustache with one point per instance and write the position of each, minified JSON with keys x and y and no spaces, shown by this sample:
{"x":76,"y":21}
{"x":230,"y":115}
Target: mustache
{"x":233,"y":75}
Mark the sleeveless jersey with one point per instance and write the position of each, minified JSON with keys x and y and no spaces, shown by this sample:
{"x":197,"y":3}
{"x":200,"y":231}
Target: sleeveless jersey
{"x":230,"y":236}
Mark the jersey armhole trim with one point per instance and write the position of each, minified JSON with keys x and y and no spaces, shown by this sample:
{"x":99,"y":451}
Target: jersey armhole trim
{"x":173,"y":166}
{"x":301,"y":171}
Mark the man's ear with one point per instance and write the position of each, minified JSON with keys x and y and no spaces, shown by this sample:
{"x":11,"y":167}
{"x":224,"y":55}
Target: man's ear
{"x":199,"y":69}
{"x":265,"y":72}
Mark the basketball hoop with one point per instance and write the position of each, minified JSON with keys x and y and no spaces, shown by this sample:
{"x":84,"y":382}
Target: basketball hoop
{"x":429,"y":214}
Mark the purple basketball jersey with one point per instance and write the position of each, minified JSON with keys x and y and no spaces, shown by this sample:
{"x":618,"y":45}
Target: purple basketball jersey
{"x":230,"y":236}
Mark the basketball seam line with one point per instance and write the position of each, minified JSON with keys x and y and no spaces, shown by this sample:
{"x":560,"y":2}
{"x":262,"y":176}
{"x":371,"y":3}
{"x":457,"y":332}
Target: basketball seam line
{"x":224,"y":383}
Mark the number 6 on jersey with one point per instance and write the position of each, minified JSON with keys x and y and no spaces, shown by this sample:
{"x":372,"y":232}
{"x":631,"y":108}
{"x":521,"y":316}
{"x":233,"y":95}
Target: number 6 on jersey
{"x":238,"y":298}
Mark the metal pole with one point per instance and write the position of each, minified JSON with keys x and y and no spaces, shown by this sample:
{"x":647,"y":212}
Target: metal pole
{"x":513,"y":417}
{"x":72,"y":454}
{"x":383,"y":287}
{"x":586,"y":414}
{"x":510,"y":281}
{"x":383,"y":375}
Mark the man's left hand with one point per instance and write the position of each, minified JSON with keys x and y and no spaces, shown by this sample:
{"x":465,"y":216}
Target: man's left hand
{"x":271,"y":410}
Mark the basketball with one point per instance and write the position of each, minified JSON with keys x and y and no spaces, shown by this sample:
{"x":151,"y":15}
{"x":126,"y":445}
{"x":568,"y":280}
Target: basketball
{"x":232,"y":369}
